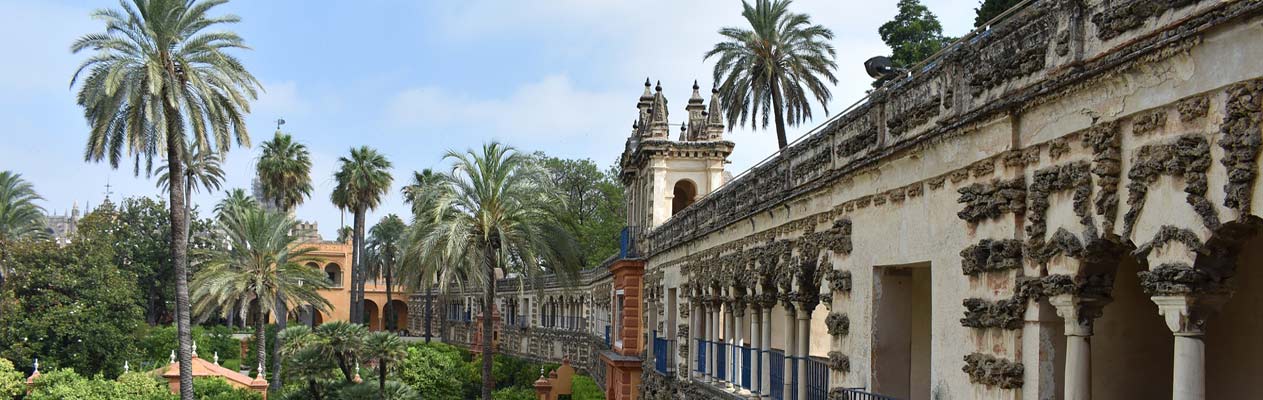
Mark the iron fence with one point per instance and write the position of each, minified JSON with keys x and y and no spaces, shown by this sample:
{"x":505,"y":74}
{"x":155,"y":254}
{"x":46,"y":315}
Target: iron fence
{"x":746,"y":352}
{"x":776,"y":367}
{"x":721,"y":361}
{"x":860,"y":394}
{"x":701,"y":356}
{"x":817,"y":378}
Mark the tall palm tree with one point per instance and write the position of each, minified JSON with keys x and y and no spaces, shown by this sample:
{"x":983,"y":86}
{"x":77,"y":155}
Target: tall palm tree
{"x":234,"y":199}
{"x":158,"y":80}
{"x":770,"y":67}
{"x":362,"y":180}
{"x":494,"y":211}
{"x":20,"y":217}
{"x":382,"y":254}
{"x":386,"y":349}
{"x":202,"y":170}
{"x":263,"y":263}
{"x":284,"y":171}
{"x":420,"y":196}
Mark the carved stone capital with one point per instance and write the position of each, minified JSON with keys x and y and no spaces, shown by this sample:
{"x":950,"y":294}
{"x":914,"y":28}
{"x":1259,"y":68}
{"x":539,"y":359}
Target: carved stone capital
{"x":1186,"y":315}
{"x":1079,"y":312}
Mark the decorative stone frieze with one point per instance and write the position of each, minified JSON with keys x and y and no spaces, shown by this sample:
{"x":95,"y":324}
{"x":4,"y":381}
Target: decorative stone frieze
{"x":991,"y":255}
{"x":985,"y":201}
{"x":839,"y":281}
{"x":838,"y":324}
{"x":1177,"y":278}
{"x":1011,"y":51}
{"x":1117,"y":19}
{"x":1187,"y":157}
{"x":1240,"y":139}
{"x":988,"y":370}
{"x":1149,"y":122}
{"x":1193,"y":108}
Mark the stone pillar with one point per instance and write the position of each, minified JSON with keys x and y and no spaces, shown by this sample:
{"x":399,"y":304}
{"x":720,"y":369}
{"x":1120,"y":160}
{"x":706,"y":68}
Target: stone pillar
{"x":710,"y":345}
{"x":695,"y":332}
{"x":765,"y":347}
{"x":804,"y":348}
{"x":1079,"y":313}
{"x":1186,"y":316}
{"x":729,"y":335}
{"x":791,"y":345}
{"x":738,"y":339}
{"x":756,"y":344}
{"x":651,"y":310}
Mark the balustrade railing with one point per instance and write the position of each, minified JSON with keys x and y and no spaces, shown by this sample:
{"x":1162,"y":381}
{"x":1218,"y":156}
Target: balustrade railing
{"x":817,"y":378}
{"x":661,"y":354}
{"x":701,"y":356}
{"x":721,"y":361}
{"x":860,"y":394}
{"x":746,"y":355}
{"x":776,"y":369}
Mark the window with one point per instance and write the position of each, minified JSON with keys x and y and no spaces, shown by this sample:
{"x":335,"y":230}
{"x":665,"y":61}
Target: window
{"x":334,"y":273}
{"x":685,"y":193}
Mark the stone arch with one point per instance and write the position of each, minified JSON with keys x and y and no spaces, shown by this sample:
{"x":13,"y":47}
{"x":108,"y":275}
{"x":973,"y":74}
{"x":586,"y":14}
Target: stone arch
{"x":684,"y":194}
{"x":372,"y":315}
{"x":399,"y":309}
{"x":333,"y":272}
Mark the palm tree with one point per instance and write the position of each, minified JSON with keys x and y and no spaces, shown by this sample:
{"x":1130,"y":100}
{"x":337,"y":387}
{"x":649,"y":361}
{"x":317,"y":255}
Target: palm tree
{"x":420,"y":195}
{"x":201,"y":170}
{"x":362,"y":180}
{"x":345,"y":233}
{"x":263,"y":263}
{"x":284,"y":171}
{"x":382,"y":256}
{"x":386,"y":348}
{"x":157,"y":81}
{"x":234,"y":199}
{"x":20,"y":217}
{"x":494,"y":211}
{"x":778,"y":60}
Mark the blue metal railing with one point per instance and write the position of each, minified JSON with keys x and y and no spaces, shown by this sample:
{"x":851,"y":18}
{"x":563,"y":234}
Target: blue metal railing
{"x":860,"y":394}
{"x":817,"y":379}
{"x":721,"y":361}
{"x":746,"y":351}
{"x":776,"y":368}
{"x":793,"y":377}
{"x":607,"y":336}
{"x":627,"y":242}
{"x":701,"y":356}
{"x":661,"y":349}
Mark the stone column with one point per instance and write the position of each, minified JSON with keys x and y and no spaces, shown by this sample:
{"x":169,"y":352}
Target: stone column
{"x":756,"y":343}
{"x":652,"y":314}
{"x":765,"y":346}
{"x":695,"y":332}
{"x":1186,"y":316}
{"x":791,"y":345}
{"x":712,"y":333}
{"x":804,"y":348}
{"x":729,"y":329}
{"x":738,"y":339}
{"x":1079,"y":313}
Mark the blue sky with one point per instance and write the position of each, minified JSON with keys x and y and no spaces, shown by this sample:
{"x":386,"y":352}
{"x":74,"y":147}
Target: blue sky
{"x":415,"y":79}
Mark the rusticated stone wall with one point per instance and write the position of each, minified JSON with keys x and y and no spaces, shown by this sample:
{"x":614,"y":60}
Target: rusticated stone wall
{"x":1022,"y":164}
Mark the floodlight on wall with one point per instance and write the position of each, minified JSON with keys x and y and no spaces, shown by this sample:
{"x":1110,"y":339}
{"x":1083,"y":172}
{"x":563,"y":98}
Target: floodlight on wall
{"x":881,"y":67}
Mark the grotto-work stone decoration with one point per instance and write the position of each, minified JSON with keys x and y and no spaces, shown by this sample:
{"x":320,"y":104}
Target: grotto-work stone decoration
{"x":990,"y":256}
{"x":1240,"y":140}
{"x":985,"y":201}
{"x":1188,"y":157}
{"x":989,"y":370}
{"x":1004,"y":313}
{"x":839,"y":281}
{"x":1107,"y":166}
{"x":838,"y":324}
{"x":1044,"y":182}
{"x":839,"y":362}
{"x":1116,"y":20}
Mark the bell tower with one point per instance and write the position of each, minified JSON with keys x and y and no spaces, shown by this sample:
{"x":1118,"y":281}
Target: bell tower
{"x":662,"y":176}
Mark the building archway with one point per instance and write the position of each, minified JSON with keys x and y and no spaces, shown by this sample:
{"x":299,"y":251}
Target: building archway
{"x":334,"y":273}
{"x":372,"y":319}
{"x":684,"y":194}
{"x":400,"y":321}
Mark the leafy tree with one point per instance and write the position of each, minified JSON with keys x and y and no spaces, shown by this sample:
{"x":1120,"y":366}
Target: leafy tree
{"x":263,"y":263}
{"x":158,"y":81}
{"x":771,"y":67}
{"x":284,"y":171}
{"x":913,"y":35}
{"x":11,"y":380}
{"x":20,"y":217}
{"x":493,"y":212}
{"x":79,"y":310}
{"x":592,"y":207}
{"x":382,"y":258}
{"x":429,"y":369}
{"x":362,"y":180}
{"x":989,"y":9}
{"x":385,"y":349}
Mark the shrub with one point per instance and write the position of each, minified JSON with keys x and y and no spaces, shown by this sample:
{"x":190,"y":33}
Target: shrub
{"x":65,"y":384}
{"x":436,"y":370}
{"x":514,"y":393}
{"x":584,"y":388}
{"x":219,"y":389}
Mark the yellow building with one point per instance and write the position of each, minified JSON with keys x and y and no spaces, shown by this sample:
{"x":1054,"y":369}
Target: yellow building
{"x":334,"y":258}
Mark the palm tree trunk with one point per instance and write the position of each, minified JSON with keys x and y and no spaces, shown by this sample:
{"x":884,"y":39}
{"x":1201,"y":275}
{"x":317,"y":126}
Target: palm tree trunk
{"x":381,"y":376}
{"x":260,"y":336}
{"x":390,"y":308}
{"x":778,"y":107}
{"x":282,"y":317}
{"x":355,"y":271}
{"x":360,"y":274}
{"x":488,"y":297}
{"x":179,"y":247}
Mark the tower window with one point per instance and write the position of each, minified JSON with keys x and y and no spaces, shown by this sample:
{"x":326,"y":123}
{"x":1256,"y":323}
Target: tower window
{"x":685,"y":193}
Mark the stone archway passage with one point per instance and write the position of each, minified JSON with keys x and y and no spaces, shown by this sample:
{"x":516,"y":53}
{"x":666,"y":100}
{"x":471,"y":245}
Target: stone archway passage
{"x":399,"y":309}
{"x":372,"y":316}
